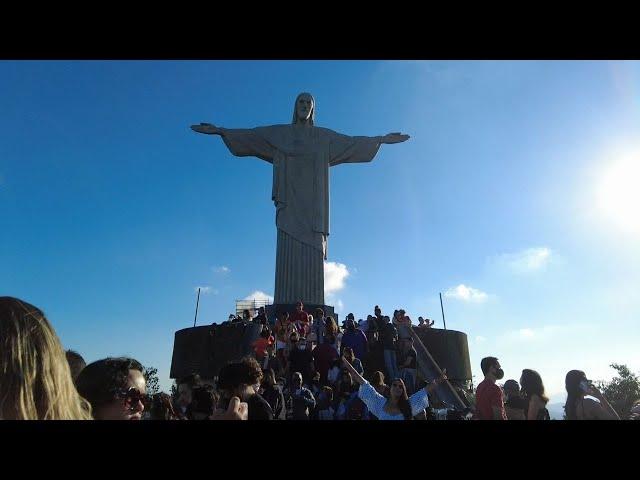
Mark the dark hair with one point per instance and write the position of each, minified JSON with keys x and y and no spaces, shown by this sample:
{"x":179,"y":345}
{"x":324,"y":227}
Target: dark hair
{"x":486,"y":363}
{"x":349,"y":351}
{"x":403,"y":401}
{"x":204,"y":400}
{"x":99,"y":382}
{"x":268,"y":374}
{"x":511,"y":386}
{"x":162,"y":407}
{"x":247,"y":371}
{"x":572,"y":384}
{"x":328,"y":392}
{"x":348,"y":383}
{"x":76,"y":363}
{"x":531,"y":384}
{"x":377,"y":378}
{"x":265,"y":333}
{"x":319,"y":312}
{"x":191,"y":381}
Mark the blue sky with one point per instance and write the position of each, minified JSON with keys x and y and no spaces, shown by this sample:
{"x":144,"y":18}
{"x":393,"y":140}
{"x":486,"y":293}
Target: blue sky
{"x":515,"y":197}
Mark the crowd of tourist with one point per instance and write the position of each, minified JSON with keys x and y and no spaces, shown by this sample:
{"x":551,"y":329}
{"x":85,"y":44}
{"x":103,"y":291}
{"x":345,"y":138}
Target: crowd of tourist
{"x":304,"y":366}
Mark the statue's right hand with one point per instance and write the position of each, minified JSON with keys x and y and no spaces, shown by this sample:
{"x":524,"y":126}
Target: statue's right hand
{"x":205,"y":128}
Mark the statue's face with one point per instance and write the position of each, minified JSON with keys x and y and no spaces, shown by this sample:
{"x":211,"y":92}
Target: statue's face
{"x":304,"y":107}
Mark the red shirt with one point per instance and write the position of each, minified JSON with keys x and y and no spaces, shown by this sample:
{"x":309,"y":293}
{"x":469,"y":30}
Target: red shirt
{"x":261,"y":344}
{"x":489,"y":395}
{"x":301,"y":316}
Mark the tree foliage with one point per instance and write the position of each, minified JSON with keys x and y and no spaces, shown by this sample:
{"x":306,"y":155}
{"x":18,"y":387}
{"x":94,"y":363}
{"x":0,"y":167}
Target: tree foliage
{"x":151,"y":377}
{"x":622,"y":391}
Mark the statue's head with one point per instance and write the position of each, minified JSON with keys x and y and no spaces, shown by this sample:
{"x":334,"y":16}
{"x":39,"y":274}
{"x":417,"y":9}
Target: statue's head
{"x":304,"y":110}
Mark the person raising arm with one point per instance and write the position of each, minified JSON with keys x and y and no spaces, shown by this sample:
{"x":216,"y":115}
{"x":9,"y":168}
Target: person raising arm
{"x":399,"y":406}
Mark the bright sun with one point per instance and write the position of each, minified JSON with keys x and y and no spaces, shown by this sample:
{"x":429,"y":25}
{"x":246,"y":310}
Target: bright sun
{"x":619,"y":193}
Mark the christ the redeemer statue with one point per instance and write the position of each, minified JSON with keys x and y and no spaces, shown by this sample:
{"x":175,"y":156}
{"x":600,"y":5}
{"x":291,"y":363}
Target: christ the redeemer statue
{"x":301,"y":154}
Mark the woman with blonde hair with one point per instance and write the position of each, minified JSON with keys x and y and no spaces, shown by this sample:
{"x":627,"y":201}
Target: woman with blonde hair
{"x":35,"y":379}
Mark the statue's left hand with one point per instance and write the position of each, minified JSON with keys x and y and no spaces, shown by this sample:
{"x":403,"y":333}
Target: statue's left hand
{"x":395,"y":137}
{"x":206,"y":128}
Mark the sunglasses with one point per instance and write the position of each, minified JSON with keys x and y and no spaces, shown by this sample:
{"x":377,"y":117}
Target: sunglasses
{"x":132,"y":396}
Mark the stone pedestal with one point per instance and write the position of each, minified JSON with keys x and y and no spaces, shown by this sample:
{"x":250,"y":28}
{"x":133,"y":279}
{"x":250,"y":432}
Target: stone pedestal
{"x":272,"y":311}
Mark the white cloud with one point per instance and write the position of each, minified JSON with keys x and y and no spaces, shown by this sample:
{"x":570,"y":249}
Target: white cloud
{"x":526,"y":333}
{"x":466,"y":294}
{"x":206,"y":290}
{"x":335,"y":275}
{"x":535,"y":334}
{"x":525,"y":261}
{"x":259,"y":295}
{"x":222,"y":269}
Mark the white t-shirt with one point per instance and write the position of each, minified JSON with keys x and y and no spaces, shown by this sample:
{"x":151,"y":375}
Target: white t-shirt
{"x":375,"y":402}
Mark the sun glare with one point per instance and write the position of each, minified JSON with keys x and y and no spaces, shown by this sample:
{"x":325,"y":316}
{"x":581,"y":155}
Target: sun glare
{"x":619,"y":193}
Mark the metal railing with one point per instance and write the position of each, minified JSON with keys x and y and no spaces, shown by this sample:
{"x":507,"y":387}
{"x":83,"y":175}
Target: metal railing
{"x":251,"y":305}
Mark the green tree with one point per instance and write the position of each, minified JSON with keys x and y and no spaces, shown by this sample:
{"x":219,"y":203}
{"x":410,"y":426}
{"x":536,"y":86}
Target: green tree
{"x":151,"y":377}
{"x":622,"y":391}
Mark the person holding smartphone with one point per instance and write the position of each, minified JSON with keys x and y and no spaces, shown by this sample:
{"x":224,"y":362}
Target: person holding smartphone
{"x":578,"y":407}
{"x":399,"y":406}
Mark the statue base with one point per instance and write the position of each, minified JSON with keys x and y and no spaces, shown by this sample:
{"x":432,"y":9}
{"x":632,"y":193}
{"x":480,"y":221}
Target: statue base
{"x":275,"y":309}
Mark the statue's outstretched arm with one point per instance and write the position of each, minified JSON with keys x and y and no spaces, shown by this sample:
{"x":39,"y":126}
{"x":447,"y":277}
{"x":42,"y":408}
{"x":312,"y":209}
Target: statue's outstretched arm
{"x":241,"y":142}
{"x":207,"y":129}
{"x":395,"y":137}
